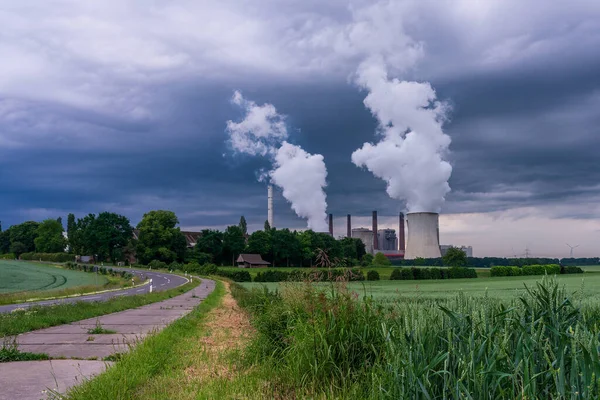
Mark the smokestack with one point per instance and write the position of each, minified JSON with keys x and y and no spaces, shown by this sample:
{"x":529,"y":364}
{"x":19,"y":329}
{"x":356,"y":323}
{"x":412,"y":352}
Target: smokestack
{"x":331,"y":224}
{"x":401,"y":239}
{"x":423,"y":236}
{"x":270,"y":205}
{"x":349,"y":226}
{"x":375,"y":238}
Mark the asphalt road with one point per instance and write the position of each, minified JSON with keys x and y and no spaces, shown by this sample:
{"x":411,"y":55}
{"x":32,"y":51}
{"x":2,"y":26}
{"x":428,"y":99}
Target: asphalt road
{"x":160,"y":281}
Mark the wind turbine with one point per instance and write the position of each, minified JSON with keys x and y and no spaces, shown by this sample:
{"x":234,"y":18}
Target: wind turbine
{"x":572,"y":247}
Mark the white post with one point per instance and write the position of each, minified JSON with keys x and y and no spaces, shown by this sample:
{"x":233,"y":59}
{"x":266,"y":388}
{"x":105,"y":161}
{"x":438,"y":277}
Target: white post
{"x":150,"y":285}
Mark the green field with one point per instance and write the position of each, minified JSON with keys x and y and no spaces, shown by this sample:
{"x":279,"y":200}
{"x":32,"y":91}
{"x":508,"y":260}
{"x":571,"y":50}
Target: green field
{"x":20,"y":276}
{"x":587,"y":284}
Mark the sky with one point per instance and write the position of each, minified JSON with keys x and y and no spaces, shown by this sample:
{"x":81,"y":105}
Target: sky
{"x":123,"y":106}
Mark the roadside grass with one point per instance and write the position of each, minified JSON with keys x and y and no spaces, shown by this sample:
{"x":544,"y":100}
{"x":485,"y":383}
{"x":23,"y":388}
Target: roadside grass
{"x":156,"y":368}
{"x":38,"y":317}
{"x":108,"y":283}
{"x":10,"y":352}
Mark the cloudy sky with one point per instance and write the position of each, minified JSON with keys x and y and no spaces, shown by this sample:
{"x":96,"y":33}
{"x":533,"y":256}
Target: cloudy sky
{"x":122,"y":105}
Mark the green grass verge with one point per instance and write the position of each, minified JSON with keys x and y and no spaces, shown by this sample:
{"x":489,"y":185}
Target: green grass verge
{"x":10,"y":352}
{"x":155,"y":356}
{"x":43,"y":317}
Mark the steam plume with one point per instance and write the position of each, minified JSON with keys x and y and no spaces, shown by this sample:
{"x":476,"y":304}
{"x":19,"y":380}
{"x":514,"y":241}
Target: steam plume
{"x":300,"y":175}
{"x":409,"y":155}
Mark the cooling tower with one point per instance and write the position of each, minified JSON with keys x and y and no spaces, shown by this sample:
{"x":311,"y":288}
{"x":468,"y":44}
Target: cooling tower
{"x":423,"y":235}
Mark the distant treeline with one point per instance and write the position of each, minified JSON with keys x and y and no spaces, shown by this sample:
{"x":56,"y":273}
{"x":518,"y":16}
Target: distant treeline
{"x":488,"y":262}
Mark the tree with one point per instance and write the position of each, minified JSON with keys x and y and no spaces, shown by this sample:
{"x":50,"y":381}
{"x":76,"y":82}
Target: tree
{"x":243,"y":225}
{"x":267,"y":226}
{"x":381,"y":260}
{"x":234,"y":243}
{"x":25,"y":235}
{"x":50,"y":237}
{"x":285,"y":246}
{"x":71,"y":228}
{"x":107,"y":235}
{"x":211,"y":242}
{"x":4,"y":240}
{"x":259,"y":242}
{"x":159,"y":238}
{"x":455,"y":257}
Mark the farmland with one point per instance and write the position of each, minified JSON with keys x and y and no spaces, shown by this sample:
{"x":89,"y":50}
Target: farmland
{"x":506,"y":288}
{"x":19,"y":276}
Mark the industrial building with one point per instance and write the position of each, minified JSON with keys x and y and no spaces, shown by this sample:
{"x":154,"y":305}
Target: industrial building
{"x":467,"y":249}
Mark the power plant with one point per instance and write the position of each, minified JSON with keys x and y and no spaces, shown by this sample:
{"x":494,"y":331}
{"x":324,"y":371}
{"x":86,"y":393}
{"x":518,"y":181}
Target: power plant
{"x":423,"y":234}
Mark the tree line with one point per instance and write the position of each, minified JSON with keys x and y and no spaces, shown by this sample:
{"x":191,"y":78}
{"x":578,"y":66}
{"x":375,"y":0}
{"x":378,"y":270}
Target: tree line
{"x":109,"y":237}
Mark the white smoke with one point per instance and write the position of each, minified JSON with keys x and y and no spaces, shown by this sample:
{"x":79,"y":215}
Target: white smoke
{"x":409,"y":156}
{"x":261,"y":131}
{"x":301,"y":175}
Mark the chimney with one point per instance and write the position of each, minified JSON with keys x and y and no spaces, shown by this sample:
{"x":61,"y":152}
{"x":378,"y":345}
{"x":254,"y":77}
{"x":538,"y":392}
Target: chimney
{"x":375,"y":238}
{"x":270,"y":205}
{"x":401,"y":240}
{"x":331,"y":224}
{"x":349,"y":226}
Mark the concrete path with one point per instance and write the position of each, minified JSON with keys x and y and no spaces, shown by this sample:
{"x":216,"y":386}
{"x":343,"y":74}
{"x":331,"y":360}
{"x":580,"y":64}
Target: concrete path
{"x":160,"y":281}
{"x":74,"y":341}
{"x":40,"y":376}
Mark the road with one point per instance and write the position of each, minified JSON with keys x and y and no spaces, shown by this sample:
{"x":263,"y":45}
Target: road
{"x":160,"y":281}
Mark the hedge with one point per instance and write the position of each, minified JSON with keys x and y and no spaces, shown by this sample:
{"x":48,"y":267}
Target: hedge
{"x":403,"y":274}
{"x":51,"y":257}
{"x":7,"y":256}
{"x":334,"y":274}
{"x":567,"y":269}
{"x":101,"y":270}
{"x":528,"y":270}
{"x":236,"y":276}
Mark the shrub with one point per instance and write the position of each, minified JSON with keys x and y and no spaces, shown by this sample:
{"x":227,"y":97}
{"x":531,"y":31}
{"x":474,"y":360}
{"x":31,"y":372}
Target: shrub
{"x":570,"y":270}
{"x":49,"y":257}
{"x":372,"y":275}
{"x":381,"y":260}
{"x":366,"y":260}
{"x":174,"y":266}
{"x":157,"y":264}
{"x":208,"y":269}
{"x":236,"y":276}
{"x":396,"y":274}
{"x":7,"y":256}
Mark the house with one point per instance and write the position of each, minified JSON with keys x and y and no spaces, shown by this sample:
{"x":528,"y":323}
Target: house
{"x":251,"y":261}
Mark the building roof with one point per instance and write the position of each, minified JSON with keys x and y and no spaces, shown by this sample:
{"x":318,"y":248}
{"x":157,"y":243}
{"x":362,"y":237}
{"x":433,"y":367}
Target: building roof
{"x":254,"y":259}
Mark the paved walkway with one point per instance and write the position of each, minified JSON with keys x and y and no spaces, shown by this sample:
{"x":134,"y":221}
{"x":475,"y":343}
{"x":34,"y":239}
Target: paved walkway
{"x":74,"y":341}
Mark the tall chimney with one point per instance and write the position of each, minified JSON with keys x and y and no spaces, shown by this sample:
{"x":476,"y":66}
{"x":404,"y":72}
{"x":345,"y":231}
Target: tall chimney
{"x":349,"y":226}
{"x":270,"y":205}
{"x":401,"y":240}
{"x":331,"y":224}
{"x":375,"y":238}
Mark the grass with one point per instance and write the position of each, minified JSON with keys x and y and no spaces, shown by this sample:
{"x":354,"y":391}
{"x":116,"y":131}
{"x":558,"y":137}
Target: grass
{"x":21,"y":282}
{"x":10,"y":352}
{"x":150,"y":370}
{"x":506,"y":288}
{"x":100,"y":330}
{"x":325,"y":342}
{"x":20,"y":276}
{"x":36,"y":317}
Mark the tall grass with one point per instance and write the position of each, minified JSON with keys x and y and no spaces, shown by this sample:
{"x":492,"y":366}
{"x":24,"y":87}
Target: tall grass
{"x":334,"y":343}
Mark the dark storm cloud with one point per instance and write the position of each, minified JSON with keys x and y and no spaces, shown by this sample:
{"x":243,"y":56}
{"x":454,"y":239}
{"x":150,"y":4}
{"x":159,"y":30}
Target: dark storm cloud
{"x":140,"y":125}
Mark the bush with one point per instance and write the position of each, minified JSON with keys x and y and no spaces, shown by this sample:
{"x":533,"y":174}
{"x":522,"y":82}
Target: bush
{"x":372,"y":275}
{"x":526,"y":270}
{"x":49,"y":257}
{"x":570,"y":270}
{"x":208,"y":269}
{"x":7,"y":256}
{"x":381,"y":260}
{"x":366,"y":260}
{"x":432,"y":273}
{"x":157,"y":264}
{"x":236,"y":276}
{"x":272,"y":276}
{"x":174,"y":266}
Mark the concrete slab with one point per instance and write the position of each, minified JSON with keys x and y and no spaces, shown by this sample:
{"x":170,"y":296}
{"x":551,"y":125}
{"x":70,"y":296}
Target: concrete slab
{"x":40,"y":376}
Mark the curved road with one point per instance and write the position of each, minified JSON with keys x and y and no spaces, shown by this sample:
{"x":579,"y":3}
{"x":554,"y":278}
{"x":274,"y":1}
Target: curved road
{"x":160,"y":281}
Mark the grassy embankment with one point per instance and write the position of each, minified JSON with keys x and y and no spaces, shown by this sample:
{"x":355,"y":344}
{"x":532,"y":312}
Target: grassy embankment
{"x":163,"y":366}
{"x":36,"y":317}
{"x":27,"y":281}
